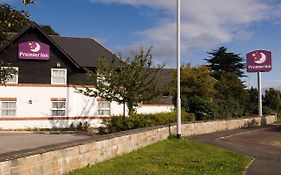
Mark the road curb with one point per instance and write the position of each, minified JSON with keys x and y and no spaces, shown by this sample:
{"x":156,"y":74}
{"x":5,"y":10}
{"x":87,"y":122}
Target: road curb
{"x":246,"y":168}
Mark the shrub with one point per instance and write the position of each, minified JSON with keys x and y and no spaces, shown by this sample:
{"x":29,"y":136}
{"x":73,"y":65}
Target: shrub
{"x":228,"y":108}
{"x":202,"y":109}
{"x":122,"y":123}
{"x":79,"y":126}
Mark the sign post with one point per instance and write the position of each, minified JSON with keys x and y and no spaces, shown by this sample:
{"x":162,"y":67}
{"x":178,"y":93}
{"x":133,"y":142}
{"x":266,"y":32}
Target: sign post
{"x":259,"y":61}
{"x":260,"y":96}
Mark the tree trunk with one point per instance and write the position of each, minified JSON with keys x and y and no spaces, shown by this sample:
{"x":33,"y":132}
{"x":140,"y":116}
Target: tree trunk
{"x":130,"y":108}
{"x":124,"y":109}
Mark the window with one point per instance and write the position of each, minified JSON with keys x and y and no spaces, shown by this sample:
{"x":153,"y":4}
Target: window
{"x":104,"y":108}
{"x":8,"y":108}
{"x":13,"y":78}
{"x":58,"y":108}
{"x":58,"y":76}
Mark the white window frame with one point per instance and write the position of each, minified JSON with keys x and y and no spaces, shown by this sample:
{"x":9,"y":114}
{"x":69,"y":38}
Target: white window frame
{"x":14,"y":75}
{"x":58,"y":109}
{"x":104,"y":108}
{"x":9,"y":109}
{"x":65,"y":75}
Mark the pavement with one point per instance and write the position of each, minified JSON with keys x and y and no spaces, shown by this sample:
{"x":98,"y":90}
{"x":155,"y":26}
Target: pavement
{"x":252,"y":142}
{"x":20,"y":144}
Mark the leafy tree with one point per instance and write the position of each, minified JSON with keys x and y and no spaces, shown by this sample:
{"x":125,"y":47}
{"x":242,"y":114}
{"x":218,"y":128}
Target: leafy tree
{"x":27,"y":2}
{"x":197,"y":90}
{"x":11,"y":20}
{"x":221,"y":61}
{"x":7,"y":72}
{"x":130,"y":84}
{"x":252,"y":101}
{"x":272,"y":99}
{"x":227,"y":67}
{"x":197,"y":81}
{"x":230,"y":88}
{"x":48,"y":29}
{"x":229,"y":85}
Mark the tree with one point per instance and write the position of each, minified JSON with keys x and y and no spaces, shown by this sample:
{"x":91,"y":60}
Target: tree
{"x":197,"y":90}
{"x":197,"y":81}
{"x":6,"y":72}
{"x":27,"y":2}
{"x":221,"y":61}
{"x":272,"y":99}
{"x":11,"y":20}
{"x":48,"y":29}
{"x":130,"y":84}
{"x":230,"y":95}
{"x":252,"y":101}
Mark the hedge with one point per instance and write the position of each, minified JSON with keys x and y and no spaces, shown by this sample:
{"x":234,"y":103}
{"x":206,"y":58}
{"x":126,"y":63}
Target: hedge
{"x":123,"y":123}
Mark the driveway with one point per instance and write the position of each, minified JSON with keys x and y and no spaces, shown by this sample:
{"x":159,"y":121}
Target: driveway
{"x":253,"y":142}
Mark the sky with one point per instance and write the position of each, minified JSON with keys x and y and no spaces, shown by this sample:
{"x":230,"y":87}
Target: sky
{"x":125,"y":25}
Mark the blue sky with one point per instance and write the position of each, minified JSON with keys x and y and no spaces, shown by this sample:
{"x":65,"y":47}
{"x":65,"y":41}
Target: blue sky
{"x":125,"y":25}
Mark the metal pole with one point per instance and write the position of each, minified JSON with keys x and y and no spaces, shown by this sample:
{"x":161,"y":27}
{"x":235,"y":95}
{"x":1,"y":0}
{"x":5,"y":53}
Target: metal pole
{"x":178,"y":73}
{"x":260,"y":97}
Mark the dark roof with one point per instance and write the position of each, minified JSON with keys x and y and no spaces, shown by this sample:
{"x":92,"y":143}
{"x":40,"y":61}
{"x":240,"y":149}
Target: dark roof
{"x":82,"y":52}
{"x":33,"y":25}
{"x":86,"y":51}
{"x":165,"y":77}
{"x":161,"y":100}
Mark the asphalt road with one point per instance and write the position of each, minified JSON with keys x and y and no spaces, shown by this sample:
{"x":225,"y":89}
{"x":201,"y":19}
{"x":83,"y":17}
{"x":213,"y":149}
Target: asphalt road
{"x":253,"y":142}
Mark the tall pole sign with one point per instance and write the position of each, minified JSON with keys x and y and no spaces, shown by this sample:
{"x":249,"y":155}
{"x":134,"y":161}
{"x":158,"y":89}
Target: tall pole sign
{"x":259,"y":61}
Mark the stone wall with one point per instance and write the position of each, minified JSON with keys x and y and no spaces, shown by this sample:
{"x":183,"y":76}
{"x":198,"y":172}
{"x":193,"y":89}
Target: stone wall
{"x":65,"y":158}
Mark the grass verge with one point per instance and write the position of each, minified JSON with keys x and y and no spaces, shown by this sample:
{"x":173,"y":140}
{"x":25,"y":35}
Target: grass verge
{"x":172,"y":156}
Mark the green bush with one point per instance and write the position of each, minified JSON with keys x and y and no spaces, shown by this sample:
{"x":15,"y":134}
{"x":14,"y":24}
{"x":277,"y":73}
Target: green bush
{"x":79,"y":126}
{"x":228,"y":108}
{"x":122,"y":123}
{"x":202,"y":109}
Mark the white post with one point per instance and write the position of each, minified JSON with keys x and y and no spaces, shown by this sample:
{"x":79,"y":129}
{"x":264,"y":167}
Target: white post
{"x":260,"y":92}
{"x":178,"y":73}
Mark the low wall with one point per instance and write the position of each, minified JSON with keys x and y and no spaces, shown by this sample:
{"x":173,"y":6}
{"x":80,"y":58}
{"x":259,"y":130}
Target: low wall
{"x":64,"y":158}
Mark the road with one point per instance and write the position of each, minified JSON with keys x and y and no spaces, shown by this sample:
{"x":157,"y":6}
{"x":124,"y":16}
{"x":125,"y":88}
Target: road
{"x":253,"y":142}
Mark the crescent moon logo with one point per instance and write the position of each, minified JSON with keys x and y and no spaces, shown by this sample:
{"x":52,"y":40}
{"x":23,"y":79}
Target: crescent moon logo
{"x":259,"y":58}
{"x":34,"y":46}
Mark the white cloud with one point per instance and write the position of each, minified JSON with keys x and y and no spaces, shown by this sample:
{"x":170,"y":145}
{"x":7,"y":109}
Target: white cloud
{"x":204,"y":24}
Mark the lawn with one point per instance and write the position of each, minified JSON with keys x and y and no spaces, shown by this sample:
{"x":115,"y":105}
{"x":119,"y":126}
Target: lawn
{"x":172,"y":156}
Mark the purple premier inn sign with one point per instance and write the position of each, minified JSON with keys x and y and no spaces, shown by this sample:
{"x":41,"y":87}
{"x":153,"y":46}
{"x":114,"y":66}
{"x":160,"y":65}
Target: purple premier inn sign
{"x":259,"y":61}
{"x":33,"y":50}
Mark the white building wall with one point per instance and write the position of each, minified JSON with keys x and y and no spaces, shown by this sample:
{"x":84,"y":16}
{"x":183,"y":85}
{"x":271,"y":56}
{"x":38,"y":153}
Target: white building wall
{"x":32,"y":124}
{"x":155,"y":108}
{"x":34,"y":107}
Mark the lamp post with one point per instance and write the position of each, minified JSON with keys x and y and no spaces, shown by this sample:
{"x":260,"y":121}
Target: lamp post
{"x":178,"y":73}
